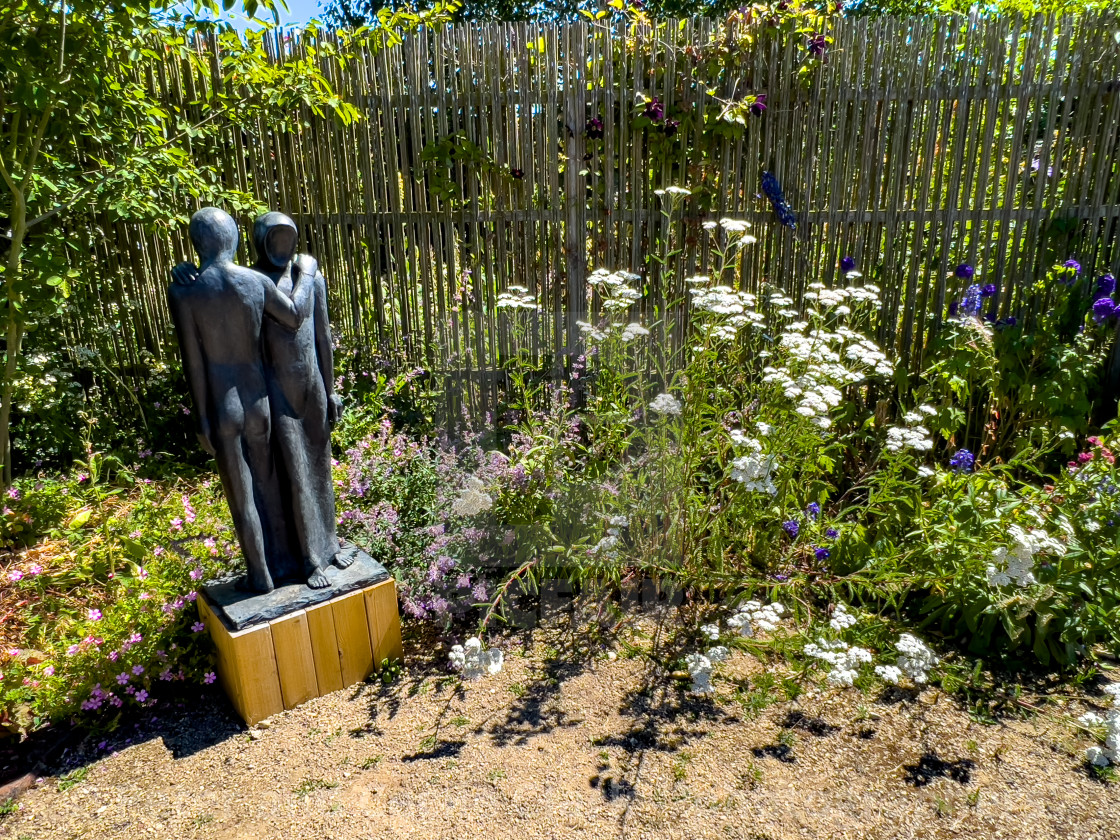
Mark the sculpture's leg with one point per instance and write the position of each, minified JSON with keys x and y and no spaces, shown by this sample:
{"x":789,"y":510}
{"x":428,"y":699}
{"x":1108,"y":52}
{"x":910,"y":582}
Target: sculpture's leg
{"x":293,"y":445}
{"x":237,"y":481}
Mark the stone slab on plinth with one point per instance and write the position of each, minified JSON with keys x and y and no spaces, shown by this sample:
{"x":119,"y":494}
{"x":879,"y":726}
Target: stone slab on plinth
{"x":283,"y":648}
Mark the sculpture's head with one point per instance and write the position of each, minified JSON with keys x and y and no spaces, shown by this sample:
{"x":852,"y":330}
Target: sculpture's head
{"x":213,"y":234}
{"x":275,"y":237}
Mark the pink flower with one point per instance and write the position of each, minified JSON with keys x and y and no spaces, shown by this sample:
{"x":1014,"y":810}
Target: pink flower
{"x":177,"y":524}
{"x":94,"y":615}
{"x":48,"y":671}
{"x":116,"y":701}
{"x":122,"y":678}
{"x":34,"y":569}
{"x":191,"y":596}
{"x":13,"y":651}
{"x":70,"y":651}
{"x":141,"y":696}
{"x":14,"y":575}
{"x":82,"y":477}
{"x":144,"y":596}
{"x":198,"y":627}
{"x":114,"y":656}
{"x":13,"y":493}
{"x":196,"y":573}
{"x":158,"y":550}
{"x":210,"y":677}
{"x":143,"y":573}
{"x":138,"y":669}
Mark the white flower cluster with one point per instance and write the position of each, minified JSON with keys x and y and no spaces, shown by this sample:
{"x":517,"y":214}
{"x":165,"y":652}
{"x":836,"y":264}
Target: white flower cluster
{"x":1017,"y":562}
{"x":517,"y":297}
{"x":844,"y":659}
{"x":473,"y":661}
{"x":731,"y":226}
{"x":733,"y":310}
{"x":633,"y":330}
{"x":665,"y":404}
{"x":915,"y":660}
{"x":754,"y":469}
{"x":618,"y":296}
{"x":841,"y":619}
{"x":474,"y":499}
{"x":607,"y":545}
{"x":700,"y":668}
{"x":754,"y":616}
{"x":839,"y":298}
{"x":1110,"y":752}
{"x":912,"y":435}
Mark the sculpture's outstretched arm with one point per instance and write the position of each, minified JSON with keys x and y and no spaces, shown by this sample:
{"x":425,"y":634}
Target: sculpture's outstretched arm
{"x":324,"y":349}
{"x":194,"y":366}
{"x":289,"y":313}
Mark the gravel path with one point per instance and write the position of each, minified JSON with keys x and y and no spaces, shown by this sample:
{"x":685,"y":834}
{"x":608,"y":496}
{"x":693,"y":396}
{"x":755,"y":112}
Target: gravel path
{"x":552,"y":748}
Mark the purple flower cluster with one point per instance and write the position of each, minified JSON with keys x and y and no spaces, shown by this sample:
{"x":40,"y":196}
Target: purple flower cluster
{"x":1104,"y":308}
{"x":962,"y":461}
{"x":792,"y":527}
{"x":773,"y":191}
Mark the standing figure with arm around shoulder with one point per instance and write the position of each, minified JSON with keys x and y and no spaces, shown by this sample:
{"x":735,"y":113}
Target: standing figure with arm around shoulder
{"x":218,"y":310}
{"x":300,"y":376}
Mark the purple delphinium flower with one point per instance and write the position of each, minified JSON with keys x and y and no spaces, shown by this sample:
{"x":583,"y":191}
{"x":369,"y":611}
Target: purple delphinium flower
{"x":965,"y":271}
{"x":813,"y":510}
{"x":1072,"y":264}
{"x":832,"y":533}
{"x":970,"y":305}
{"x":1106,"y":285}
{"x":792,"y":527}
{"x":822,"y":553}
{"x":962,"y":461}
{"x":847,"y":264}
{"x":988,"y":290}
{"x":773,"y":191}
{"x":1104,"y":310}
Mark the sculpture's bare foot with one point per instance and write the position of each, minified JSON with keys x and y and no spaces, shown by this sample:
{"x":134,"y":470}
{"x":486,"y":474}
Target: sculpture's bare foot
{"x":318,"y":580}
{"x":345,"y":558}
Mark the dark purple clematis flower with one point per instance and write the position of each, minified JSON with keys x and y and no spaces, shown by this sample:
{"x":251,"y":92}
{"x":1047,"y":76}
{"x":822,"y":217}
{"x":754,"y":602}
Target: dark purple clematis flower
{"x":655,"y":110}
{"x":965,"y":271}
{"x":759,"y":105}
{"x":792,"y":527}
{"x":517,"y":173}
{"x":595,"y":128}
{"x":818,"y":44}
{"x":1106,"y":285}
{"x":670,"y":127}
{"x":822,"y":553}
{"x":1074,"y":264}
{"x":847,"y":264}
{"x":953,"y":307}
{"x":988,"y":290}
{"x":1104,"y":310}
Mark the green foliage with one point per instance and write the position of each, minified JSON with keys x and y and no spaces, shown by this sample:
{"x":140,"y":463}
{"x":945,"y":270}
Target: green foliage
{"x":1020,"y":384}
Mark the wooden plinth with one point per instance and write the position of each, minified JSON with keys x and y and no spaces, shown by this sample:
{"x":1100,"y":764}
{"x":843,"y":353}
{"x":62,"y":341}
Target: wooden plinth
{"x":280,"y":664}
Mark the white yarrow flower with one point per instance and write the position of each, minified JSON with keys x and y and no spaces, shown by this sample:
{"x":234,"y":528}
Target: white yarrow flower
{"x":665,"y":404}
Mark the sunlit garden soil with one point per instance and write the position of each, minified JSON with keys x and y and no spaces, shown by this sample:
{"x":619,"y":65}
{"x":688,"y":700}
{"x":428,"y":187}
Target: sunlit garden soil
{"x":562,"y":744}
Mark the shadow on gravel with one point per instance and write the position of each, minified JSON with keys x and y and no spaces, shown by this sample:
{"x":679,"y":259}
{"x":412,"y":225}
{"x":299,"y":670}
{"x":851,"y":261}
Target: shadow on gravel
{"x":186,"y":726}
{"x":813,"y":725}
{"x":444,"y":749}
{"x":929,"y":767}
{"x":782,"y":752}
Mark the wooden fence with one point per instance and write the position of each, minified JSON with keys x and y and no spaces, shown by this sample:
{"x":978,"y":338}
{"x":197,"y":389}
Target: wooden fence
{"x":913,"y":145}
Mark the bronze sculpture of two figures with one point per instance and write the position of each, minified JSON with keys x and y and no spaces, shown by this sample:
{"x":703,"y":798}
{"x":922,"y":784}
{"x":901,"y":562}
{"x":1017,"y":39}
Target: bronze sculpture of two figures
{"x":257,"y":355}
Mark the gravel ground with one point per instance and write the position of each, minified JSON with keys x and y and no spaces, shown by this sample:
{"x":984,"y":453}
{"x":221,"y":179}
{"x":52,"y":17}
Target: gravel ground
{"x":559,"y":748}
